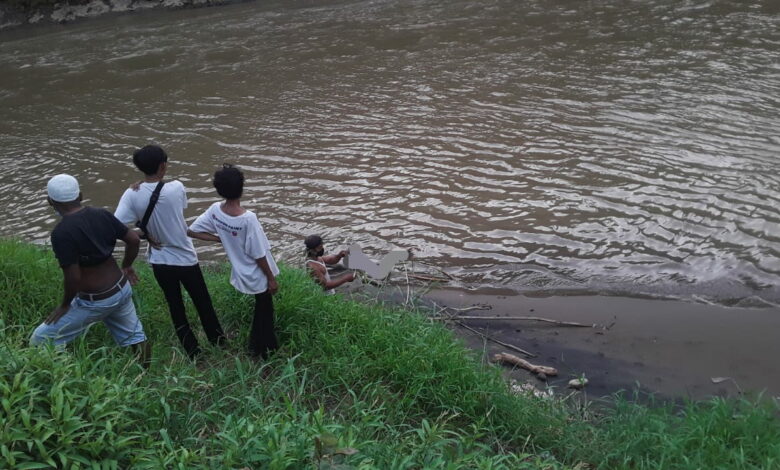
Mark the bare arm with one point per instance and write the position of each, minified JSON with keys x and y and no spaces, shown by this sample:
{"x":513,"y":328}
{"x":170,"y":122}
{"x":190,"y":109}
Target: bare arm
{"x":343,"y":279}
{"x":71,"y":281}
{"x":333,"y":259}
{"x":208,"y":237}
{"x":262,"y":263}
{"x":132,"y":243}
{"x":319,"y":275}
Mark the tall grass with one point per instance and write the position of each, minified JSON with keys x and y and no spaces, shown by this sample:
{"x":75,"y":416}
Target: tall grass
{"x":353,"y":386}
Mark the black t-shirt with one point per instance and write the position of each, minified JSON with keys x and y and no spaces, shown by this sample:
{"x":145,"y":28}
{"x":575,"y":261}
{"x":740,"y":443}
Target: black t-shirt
{"x":86,"y":237}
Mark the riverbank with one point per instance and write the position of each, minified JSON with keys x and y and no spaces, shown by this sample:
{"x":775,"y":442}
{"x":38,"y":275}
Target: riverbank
{"x":358,"y":384}
{"x":15,"y":13}
{"x":672,"y":349}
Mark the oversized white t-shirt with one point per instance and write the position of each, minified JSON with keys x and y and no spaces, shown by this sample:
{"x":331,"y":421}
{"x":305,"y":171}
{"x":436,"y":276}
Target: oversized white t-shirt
{"x":166,"y":225}
{"x":244,"y":241}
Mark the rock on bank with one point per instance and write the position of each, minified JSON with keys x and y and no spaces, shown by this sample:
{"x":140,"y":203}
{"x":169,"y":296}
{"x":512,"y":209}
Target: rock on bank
{"x":22,"y":12}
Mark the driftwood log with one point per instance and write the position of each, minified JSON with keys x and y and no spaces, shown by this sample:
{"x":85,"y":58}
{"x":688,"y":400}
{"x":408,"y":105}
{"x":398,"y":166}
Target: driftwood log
{"x":516,"y":361}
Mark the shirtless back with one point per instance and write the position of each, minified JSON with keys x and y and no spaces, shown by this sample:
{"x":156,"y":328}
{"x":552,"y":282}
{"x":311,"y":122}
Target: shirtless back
{"x":94,"y":288}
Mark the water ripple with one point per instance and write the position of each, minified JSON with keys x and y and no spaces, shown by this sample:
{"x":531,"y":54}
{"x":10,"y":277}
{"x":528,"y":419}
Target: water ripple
{"x":594,"y":147}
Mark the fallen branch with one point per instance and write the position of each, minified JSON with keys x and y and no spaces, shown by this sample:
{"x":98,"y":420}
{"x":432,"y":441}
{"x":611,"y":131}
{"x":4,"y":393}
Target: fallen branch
{"x":546,"y":320}
{"x":428,"y":278}
{"x":506,"y":345}
{"x":468,"y":309}
{"x":514,"y":360}
{"x":437,"y":269}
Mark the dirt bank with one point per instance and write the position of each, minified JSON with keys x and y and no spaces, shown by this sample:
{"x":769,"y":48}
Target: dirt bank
{"x":673,"y":349}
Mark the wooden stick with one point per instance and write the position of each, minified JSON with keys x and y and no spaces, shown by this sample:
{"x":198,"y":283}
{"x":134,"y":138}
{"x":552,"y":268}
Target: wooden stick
{"x":516,"y":361}
{"x":467,"y":309}
{"x":546,"y":320}
{"x":506,"y":345}
{"x":428,"y":278}
{"x":438,"y":269}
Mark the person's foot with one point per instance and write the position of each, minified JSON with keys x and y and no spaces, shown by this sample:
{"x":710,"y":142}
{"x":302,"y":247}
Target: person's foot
{"x":221,"y":342}
{"x":194,"y":354}
{"x":144,"y":352}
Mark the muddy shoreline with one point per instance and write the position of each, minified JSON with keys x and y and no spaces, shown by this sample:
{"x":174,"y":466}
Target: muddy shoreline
{"x":670,"y":349}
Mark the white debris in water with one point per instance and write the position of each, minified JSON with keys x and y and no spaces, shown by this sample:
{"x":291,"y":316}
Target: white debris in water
{"x":121,"y":5}
{"x":526,"y":388}
{"x":71,"y":12}
{"x":63,"y":12}
{"x":578,"y":384}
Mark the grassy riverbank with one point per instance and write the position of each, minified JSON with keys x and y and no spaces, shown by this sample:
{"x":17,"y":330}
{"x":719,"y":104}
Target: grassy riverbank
{"x":400,"y":391}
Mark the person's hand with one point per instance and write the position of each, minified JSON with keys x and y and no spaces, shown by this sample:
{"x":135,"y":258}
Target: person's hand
{"x":130,"y":275}
{"x":153,"y":243}
{"x":56,"y":314}
{"x":343,"y":253}
{"x":136,"y":186}
{"x":353,"y":275}
{"x":273,"y":286}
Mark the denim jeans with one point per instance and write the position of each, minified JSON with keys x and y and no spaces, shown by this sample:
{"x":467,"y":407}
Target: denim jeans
{"x":116,"y":312}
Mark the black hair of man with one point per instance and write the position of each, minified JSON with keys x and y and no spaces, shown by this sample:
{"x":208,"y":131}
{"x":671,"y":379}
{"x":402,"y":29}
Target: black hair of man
{"x":148,"y":159}
{"x":313,"y":241}
{"x":229,"y":182}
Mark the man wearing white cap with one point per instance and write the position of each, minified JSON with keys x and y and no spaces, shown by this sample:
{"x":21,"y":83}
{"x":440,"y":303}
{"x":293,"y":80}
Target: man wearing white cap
{"x":95,"y":288}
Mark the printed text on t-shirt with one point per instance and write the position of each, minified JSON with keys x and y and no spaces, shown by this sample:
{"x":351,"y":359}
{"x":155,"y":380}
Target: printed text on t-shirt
{"x":225,"y":226}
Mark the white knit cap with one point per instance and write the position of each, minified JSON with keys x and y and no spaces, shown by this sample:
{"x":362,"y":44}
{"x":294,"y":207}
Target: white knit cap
{"x":63,"y":188}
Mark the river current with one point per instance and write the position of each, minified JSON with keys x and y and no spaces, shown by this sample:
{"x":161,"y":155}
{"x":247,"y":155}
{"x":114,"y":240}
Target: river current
{"x":539,"y":146}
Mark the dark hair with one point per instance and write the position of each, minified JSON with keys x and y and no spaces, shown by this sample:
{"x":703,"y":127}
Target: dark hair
{"x":229,"y":181}
{"x":312,"y":242}
{"x":148,"y":159}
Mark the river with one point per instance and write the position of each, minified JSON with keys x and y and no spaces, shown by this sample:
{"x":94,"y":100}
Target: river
{"x":539,"y":146}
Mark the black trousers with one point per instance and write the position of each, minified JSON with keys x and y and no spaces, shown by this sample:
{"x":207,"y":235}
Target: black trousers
{"x":171,"y":278}
{"x":262,"y":339}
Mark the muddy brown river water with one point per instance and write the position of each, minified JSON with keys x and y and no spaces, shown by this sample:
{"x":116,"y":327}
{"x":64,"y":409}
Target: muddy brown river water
{"x":540,"y":146}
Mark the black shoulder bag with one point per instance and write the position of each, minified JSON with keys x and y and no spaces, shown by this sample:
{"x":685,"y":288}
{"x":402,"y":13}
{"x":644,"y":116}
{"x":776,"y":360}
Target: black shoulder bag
{"x":152,"y":202}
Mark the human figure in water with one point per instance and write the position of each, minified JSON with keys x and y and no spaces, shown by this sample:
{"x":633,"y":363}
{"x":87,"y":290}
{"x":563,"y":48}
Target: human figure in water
{"x":317,"y":264}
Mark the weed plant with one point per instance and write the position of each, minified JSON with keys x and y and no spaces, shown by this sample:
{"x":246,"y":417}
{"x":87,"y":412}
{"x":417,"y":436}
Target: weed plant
{"x":353,"y":386}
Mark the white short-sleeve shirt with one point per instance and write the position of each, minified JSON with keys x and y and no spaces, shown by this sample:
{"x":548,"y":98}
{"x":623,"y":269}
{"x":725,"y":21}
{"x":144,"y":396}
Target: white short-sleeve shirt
{"x":244,"y":241}
{"x":166,"y":225}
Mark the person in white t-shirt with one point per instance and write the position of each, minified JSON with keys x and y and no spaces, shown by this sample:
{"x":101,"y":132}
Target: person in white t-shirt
{"x":171,"y":252}
{"x":253,"y":270}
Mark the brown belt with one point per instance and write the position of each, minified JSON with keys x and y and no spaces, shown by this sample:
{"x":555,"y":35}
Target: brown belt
{"x":106,"y":293}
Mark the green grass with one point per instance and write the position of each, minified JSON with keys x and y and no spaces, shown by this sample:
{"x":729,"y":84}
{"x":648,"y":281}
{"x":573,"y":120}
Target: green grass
{"x":399,"y":390}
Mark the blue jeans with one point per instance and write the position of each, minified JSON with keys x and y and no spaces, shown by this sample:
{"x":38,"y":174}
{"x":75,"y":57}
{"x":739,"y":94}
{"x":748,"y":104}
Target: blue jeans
{"x":116,"y":312}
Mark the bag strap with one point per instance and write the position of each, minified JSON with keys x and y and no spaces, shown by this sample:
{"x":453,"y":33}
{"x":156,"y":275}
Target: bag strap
{"x":152,"y":202}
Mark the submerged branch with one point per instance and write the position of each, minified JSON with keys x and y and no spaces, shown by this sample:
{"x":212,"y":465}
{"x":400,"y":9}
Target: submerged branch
{"x":490,"y":338}
{"x":540,"y":319}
